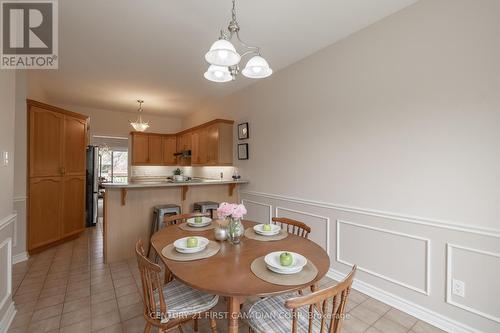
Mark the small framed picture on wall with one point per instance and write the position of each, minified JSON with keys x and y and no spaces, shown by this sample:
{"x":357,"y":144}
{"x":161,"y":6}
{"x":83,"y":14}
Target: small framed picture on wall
{"x":243,"y":131}
{"x":243,"y":151}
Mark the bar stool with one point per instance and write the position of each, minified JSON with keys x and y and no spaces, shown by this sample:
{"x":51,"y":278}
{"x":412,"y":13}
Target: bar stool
{"x":205,"y":206}
{"x":158,"y":213}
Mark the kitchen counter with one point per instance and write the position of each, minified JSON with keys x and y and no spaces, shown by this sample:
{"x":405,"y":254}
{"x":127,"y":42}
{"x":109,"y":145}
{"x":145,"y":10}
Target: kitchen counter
{"x":128,"y":207}
{"x":194,"y":182}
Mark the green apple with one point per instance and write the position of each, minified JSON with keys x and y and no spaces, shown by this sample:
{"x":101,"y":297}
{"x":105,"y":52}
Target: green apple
{"x":198,"y":219}
{"x":192,"y":242}
{"x":286,"y":259}
{"x":266,"y":227}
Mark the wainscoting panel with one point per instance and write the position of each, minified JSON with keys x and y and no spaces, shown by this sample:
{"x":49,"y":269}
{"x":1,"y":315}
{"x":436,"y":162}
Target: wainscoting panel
{"x":477,"y":269}
{"x":320,"y":225}
{"x":385,"y":254}
{"x":402,"y":260}
{"x":5,"y":272}
{"x":258,"y":211}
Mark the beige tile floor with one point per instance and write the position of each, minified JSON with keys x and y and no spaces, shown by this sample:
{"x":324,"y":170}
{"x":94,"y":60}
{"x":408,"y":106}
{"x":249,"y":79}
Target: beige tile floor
{"x":69,"y":289}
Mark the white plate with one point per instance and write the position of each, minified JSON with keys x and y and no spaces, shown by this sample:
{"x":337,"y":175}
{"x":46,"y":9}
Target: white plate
{"x":273,"y":260}
{"x":204,"y":222}
{"x":275,"y":229}
{"x":181,"y":245}
{"x":279,"y":271}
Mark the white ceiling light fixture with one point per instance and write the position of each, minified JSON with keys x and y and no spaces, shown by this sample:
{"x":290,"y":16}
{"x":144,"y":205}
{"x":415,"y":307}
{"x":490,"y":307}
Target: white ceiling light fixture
{"x":223,"y":54}
{"x":218,"y":74}
{"x":139,"y":125}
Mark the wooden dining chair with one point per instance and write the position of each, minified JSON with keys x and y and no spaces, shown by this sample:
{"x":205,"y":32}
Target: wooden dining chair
{"x":293,"y":226}
{"x":317,"y":312}
{"x":180,"y":218}
{"x":167,"y":306}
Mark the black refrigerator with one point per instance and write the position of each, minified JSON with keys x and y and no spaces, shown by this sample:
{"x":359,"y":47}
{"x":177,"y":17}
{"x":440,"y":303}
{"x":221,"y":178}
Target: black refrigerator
{"x":92,"y":186}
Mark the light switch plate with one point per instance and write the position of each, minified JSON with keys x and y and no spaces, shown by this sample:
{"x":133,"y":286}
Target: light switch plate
{"x":5,"y":158}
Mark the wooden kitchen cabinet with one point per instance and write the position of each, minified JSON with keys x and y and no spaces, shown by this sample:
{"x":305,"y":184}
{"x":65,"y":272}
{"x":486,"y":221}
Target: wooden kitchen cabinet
{"x":74,"y":144}
{"x":57,"y":169}
{"x":169,"y":145}
{"x":210,"y":144}
{"x":199,"y":147}
{"x":155,"y":150}
{"x":220,"y":144}
{"x":184,"y":143}
{"x":46,"y":130}
{"x":73,"y":208}
{"x":140,"y":149}
{"x":44,"y":211}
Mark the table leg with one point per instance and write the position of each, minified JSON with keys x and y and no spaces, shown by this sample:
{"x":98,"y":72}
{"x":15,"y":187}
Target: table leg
{"x":233,"y":309}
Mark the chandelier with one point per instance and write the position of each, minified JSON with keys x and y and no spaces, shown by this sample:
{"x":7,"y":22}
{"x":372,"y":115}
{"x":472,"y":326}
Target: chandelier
{"x":139,"y":125}
{"x":224,"y":60}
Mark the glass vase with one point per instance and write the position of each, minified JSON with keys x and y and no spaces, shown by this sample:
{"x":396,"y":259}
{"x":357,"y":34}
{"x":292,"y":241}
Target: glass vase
{"x":235,"y":231}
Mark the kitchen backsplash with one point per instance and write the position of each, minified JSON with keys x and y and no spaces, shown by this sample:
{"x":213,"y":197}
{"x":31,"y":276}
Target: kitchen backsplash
{"x":165,"y":171}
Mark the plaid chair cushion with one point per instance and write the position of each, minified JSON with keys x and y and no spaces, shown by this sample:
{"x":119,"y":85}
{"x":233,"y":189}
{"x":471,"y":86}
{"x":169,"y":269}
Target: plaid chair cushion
{"x":185,"y":301}
{"x":269,"y":315}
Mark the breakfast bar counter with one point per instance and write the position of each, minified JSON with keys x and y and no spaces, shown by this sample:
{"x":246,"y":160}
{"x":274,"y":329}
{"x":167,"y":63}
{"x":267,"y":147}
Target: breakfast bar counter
{"x":128,"y":208}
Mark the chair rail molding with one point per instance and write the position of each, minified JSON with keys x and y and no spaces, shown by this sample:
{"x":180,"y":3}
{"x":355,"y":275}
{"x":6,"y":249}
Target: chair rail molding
{"x":260,"y":204}
{"x":326,"y":219}
{"x":425,"y":291}
{"x":491,"y":232}
{"x":449,"y":270}
{"x":20,"y":198}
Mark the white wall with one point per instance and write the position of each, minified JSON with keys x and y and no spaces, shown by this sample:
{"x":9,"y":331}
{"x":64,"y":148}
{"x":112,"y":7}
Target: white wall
{"x":7,"y":216}
{"x":388,"y":144}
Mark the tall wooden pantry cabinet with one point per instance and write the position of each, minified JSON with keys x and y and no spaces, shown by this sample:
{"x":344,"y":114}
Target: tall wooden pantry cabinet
{"x":57,"y":141}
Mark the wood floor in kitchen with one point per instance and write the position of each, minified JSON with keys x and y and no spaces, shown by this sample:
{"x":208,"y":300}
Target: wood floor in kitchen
{"x":69,"y":289}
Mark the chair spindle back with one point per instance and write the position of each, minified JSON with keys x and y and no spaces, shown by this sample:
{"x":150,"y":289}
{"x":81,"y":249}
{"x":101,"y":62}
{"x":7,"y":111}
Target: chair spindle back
{"x":322,"y":300}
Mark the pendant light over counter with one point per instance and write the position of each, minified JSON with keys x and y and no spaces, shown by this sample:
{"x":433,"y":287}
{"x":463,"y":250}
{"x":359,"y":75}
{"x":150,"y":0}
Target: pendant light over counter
{"x":139,"y":125}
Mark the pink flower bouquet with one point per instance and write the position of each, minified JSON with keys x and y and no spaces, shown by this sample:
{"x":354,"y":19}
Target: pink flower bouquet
{"x":234,"y":211}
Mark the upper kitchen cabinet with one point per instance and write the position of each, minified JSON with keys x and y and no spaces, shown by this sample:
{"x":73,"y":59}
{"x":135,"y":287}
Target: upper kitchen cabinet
{"x":199,"y":147}
{"x":155,"y":149}
{"x":214,"y":144}
{"x":220,"y":144}
{"x":207,"y":144}
{"x":169,"y":146}
{"x":147,"y":149}
{"x":140,"y":148}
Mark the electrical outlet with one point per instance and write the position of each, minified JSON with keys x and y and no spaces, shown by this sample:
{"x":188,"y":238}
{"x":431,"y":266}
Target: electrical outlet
{"x":458,"y":288}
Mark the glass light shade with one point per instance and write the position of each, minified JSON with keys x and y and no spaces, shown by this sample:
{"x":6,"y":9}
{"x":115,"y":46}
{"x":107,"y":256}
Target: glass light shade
{"x":257,"y":68}
{"x":218,"y":74}
{"x":139,"y":125}
{"x":222,"y":53}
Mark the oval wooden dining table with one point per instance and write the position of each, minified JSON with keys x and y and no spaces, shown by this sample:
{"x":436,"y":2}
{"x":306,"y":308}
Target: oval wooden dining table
{"x":228,"y":272}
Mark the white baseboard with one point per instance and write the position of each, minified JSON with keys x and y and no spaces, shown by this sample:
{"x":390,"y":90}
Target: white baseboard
{"x":429,"y":316}
{"x":7,"y":318}
{"x":20,"y":257}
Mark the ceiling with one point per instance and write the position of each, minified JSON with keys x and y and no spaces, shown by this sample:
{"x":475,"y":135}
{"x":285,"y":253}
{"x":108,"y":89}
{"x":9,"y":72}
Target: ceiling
{"x":113,"y":52}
